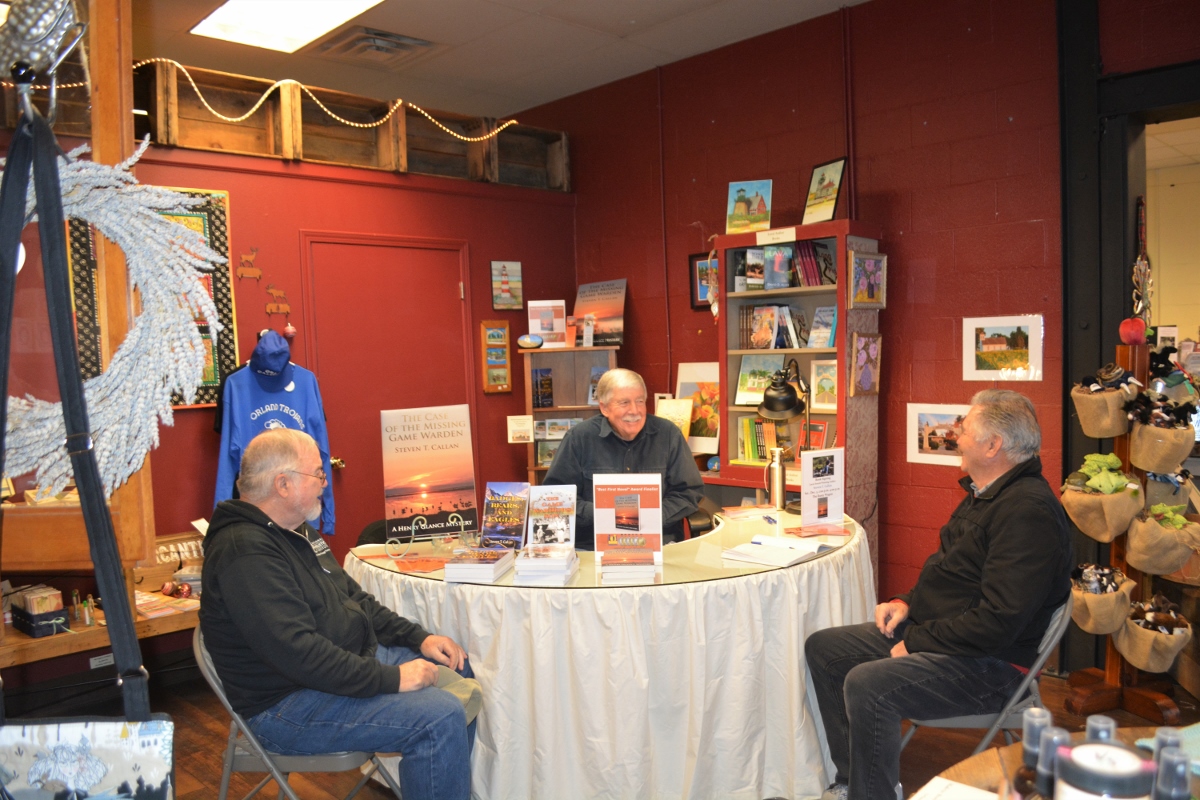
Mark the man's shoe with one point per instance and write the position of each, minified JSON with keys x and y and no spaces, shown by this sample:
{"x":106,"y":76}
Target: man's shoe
{"x":836,"y":791}
{"x":899,"y":792}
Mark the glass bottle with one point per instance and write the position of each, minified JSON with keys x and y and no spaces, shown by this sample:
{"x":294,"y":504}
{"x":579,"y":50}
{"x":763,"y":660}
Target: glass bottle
{"x":1033,"y":722}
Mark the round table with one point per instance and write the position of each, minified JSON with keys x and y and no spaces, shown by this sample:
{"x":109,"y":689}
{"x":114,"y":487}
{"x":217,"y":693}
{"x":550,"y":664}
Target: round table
{"x":983,"y":770}
{"x":694,"y":688}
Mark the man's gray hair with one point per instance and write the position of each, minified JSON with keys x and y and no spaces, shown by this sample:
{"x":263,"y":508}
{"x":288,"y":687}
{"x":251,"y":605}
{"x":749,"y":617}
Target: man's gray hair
{"x":616,"y":379}
{"x":270,"y":453}
{"x":1011,"y":416}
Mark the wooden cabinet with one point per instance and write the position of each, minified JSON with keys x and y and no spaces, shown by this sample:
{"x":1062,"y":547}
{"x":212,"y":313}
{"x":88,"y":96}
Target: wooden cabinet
{"x":853,"y":424}
{"x":569,"y":385}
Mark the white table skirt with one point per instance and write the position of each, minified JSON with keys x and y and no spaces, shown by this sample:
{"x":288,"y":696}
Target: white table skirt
{"x":693,"y":690}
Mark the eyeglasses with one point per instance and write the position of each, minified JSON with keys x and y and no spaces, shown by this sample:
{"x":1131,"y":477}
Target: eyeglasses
{"x":320,"y":475}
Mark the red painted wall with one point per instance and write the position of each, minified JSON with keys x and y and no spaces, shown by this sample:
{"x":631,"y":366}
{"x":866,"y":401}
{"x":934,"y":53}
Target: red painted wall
{"x":955,"y":130}
{"x":1141,"y":34}
{"x":271,"y":201}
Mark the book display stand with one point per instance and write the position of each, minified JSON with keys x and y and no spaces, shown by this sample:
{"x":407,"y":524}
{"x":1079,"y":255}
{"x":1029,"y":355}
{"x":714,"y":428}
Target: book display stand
{"x":849,"y":422}
{"x":1117,"y":685}
{"x":558,"y":386}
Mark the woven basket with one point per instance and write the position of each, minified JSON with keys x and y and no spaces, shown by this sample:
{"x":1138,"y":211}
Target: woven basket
{"x":1103,"y":517}
{"x":1101,"y":414}
{"x":1159,"y":550}
{"x":1157,"y":449}
{"x":1149,"y":650}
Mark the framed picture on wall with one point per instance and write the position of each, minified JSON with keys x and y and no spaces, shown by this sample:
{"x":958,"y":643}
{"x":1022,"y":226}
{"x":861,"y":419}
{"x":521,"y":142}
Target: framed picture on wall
{"x":867,"y":280}
{"x":824,"y":188}
{"x":495,"y":346}
{"x":823,"y":384}
{"x":507,"y":291}
{"x":865,"y":352}
{"x":702,"y":275}
{"x":933,"y":431}
{"x":1002,"y":348}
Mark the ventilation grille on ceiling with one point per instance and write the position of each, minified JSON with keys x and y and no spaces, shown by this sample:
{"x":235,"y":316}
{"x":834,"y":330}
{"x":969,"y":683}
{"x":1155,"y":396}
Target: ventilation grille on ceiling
{"x":370,"y":47}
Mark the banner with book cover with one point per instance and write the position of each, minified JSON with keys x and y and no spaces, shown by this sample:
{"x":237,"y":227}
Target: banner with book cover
{"x":428,"y":471}
{"x":603,"y":302}
{"x":627,"y":513}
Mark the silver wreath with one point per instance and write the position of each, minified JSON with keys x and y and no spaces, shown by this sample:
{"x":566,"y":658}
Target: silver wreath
{"x":163,"y":351}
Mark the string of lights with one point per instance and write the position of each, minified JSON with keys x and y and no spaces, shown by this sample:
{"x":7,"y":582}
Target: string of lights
{"x":262,"y":99}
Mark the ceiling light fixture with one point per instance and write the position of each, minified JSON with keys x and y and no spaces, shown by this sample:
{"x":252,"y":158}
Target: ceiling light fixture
{"x":259,"y":23}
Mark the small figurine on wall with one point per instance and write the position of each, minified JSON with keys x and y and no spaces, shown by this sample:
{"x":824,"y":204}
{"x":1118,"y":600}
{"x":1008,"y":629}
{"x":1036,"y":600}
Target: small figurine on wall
{"x":279,"y":303}
{"x":246,"y":268}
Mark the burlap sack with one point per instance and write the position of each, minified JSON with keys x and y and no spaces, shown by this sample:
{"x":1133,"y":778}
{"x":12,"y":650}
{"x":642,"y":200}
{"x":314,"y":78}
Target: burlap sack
{"x":1101,"y":414}
{"x":1103,"y":517}
{"x":1102,"y":613}
{"x":1160,"y":449}
{"x":1158,"y":550}
{"x":1149,"y":650}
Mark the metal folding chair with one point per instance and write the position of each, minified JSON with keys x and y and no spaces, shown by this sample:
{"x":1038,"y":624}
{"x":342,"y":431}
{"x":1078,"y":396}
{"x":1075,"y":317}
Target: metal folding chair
{"x":1009,"y":718}
{"x":245,"y":754}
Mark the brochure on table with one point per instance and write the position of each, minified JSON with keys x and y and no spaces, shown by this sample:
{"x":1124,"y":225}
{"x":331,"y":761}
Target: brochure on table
{"x":822,"y":486}
{"x":627,"y":513}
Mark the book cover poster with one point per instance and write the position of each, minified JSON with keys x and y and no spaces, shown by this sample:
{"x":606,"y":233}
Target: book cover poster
{"x":822,"y":486}
{"x":754,"y":378}
{"x":604,"y":302}
{"x":504,"y":508}
{"x":627,"y":512}
{"x":552,"y":515}
{"x":749,"y":207}
{"x":428,"y":471}
{"x":548,"y":319}
{"x":506,"y":285}
{"x":701,"y":383}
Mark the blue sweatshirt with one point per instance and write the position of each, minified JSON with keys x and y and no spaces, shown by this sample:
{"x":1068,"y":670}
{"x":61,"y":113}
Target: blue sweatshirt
{"x":249,"y":410}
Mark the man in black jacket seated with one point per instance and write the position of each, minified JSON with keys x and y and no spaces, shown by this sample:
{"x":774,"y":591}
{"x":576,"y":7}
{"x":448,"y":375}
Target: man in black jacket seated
{"x":314,"y":663}
{"x":962,"y":639}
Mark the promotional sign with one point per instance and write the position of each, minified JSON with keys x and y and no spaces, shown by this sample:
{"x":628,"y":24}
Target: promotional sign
{"x":822,"y":486}
{"x":428,"y":471}
{"x":627,"y":513}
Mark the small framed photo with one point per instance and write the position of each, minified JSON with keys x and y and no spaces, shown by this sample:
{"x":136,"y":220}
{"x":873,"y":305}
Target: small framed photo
{"x":1002,"y":348}
{"x":1167,"y":336}
{"x":865,"y":351}
{"x":823,"y":384}
{"x":506,"y":286}
{"x":933,"y":431}
{"x":748,"y":207}
{"x":867,"y":280}
{"x":824,"y":188}
{"x":702,"y":274}
{"x":494,"y":344}
{"x":546,"y":451}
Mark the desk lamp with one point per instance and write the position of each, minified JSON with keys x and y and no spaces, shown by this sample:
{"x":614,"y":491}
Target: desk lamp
{"x":781,"y":401}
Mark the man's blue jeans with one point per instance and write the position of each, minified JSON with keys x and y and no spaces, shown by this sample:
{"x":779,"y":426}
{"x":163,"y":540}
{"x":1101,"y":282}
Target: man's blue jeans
{"x":427,"y":727}
{"x":864,"y":693}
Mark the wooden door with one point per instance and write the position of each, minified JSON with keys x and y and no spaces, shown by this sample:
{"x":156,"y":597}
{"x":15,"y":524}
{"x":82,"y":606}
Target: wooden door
{"x":376,"y":342}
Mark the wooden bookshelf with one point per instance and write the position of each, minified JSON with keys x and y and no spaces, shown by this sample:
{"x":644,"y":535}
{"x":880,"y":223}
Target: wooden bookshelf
{"x":17,"y":648}
{"x":571,"y":370}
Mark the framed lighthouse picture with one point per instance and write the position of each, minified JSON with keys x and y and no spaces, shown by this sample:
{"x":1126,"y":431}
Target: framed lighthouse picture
{"x":506,"y":286}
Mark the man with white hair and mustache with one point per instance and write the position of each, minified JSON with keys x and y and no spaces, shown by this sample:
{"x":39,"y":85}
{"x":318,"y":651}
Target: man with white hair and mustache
{"x":624,"y":439}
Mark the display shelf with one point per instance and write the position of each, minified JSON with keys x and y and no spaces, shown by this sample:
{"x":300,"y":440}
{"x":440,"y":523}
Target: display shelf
{"x":570,"y":378}
{"x":858,"y":432}
{"x":17,"y":648}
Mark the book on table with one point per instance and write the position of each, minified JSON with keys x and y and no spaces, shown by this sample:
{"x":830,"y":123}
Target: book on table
{"x":537,"y":558}
{"x":537,"y":578}
{"x":505,"y":506}
{"x":478,"y":565}
{"x":552,"y":515}
{"x":776,"y":551}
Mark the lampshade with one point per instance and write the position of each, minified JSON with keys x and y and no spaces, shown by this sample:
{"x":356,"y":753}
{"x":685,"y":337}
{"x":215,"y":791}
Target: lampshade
{"x":780,"y":400}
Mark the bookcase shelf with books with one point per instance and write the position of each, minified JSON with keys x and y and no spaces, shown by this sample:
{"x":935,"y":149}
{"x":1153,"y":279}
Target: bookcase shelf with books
{"x":559,"y":384}
{"x":761,"y":329}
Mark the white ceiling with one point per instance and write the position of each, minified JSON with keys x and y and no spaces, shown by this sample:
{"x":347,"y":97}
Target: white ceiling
{"x":1173,"y":144}
{"x":491,"y":57}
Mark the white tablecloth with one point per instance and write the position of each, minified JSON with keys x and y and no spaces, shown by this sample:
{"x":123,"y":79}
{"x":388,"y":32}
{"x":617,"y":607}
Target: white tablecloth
{"x":692,"y":690}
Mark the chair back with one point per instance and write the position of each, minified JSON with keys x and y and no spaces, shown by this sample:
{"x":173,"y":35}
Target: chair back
{"x":209,"y":671}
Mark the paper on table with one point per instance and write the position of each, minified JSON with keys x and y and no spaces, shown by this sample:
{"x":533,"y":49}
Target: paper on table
{"x":773,"y":555}
{"x":201,"y":525}
{"x":942,"y":789}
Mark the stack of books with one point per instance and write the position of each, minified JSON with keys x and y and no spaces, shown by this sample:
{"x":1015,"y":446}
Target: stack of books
{"x":546,"y":565}
{"x":621,"y":567}
{"x":478,"y":565}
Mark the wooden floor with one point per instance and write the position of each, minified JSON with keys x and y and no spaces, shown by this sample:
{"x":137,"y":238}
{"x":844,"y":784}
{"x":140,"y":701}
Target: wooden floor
{"x":201,"y":728}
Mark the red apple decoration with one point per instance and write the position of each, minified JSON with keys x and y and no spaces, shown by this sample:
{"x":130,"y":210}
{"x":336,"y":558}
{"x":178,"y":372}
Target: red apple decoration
{"x":1133,"y":331}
